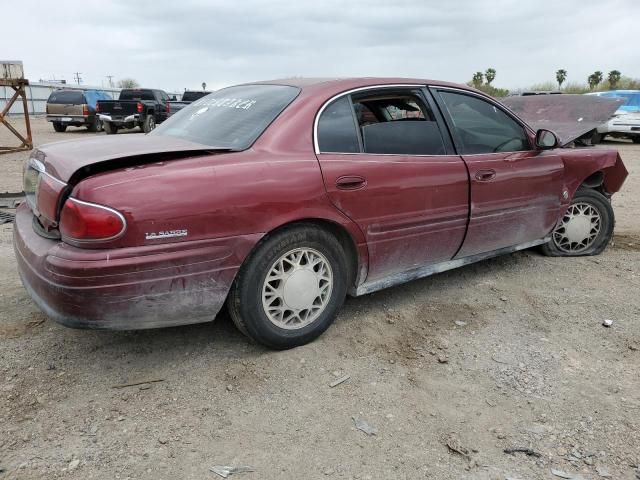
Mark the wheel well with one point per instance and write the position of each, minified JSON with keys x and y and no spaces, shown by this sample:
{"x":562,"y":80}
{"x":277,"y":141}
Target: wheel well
{"x":338,"y":231}
{"x":595,"y":181}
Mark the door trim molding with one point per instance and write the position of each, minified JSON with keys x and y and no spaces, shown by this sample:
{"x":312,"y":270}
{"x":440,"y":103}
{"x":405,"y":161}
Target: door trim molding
{"x":427,"y":270}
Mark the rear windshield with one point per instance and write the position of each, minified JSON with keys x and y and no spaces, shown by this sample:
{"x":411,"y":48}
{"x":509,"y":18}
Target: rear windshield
{"x":136,"y":95}
{"x":232,"y":118}
{"x":192,"y":96}
{"x":67,"y":97}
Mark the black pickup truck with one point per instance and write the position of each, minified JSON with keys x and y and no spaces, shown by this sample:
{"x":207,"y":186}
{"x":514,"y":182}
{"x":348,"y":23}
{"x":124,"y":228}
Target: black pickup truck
{"x":188,"y":97}
{"x":136,"y":107}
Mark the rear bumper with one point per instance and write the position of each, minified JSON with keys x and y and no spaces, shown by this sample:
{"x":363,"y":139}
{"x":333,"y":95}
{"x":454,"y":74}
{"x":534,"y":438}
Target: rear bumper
{"x":127,"y":288}
{"x":70,"y":119}
{"x":120,"y":120}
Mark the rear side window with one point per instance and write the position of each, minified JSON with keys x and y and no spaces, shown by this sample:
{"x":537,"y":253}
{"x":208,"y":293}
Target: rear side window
{"x":337,"y":129}
{"x":137,"y":95}
{"x":74,"y":97}
{"x":482,"y":127}
{"x":231,"y":118}
{"x":397,"y":124}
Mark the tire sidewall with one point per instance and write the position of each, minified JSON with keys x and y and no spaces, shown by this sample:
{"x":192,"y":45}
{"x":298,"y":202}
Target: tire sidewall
{"x":607,"y":219}
{"x":255,"y":320}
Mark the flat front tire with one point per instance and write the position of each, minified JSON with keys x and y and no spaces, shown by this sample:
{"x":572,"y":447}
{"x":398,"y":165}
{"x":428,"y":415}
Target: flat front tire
{"x":289,"y":290}
{"x":586,"y":227}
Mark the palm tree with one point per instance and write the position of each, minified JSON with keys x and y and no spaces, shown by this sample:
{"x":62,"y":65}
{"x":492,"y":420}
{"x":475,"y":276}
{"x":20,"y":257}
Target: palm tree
{"x":595,"y":79}
{"x":561,"y":76}
{"x":490,"y":75}
{"x":614,"y":78}
{"x":477,"y":79}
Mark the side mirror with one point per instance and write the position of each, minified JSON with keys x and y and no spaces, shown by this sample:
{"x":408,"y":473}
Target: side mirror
{"x":546,"y":139}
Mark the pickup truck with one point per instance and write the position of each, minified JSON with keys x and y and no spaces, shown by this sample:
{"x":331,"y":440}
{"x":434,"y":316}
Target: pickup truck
{"x":189,"y":96}
{"x":136,"y":107}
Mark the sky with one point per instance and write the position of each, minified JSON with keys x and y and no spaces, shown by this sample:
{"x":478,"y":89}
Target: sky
{"x":175,"y":45}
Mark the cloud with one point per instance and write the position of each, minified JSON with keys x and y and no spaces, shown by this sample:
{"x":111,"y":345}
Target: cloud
{"x":174,"y":45}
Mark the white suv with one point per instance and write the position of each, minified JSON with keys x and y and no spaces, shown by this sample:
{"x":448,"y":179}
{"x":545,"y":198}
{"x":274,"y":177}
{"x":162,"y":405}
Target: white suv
{"x":625,"y":122}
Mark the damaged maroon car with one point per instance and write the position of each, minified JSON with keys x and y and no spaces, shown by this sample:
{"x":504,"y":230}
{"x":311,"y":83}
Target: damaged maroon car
{"x":280,"y":198}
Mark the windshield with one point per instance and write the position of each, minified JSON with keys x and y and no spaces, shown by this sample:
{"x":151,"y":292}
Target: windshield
{"x":232,"y":118}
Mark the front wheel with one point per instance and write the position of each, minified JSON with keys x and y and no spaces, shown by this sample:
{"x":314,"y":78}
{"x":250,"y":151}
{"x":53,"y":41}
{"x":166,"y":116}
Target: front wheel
{"x":290,"y":289}
{"x":586,"y":227}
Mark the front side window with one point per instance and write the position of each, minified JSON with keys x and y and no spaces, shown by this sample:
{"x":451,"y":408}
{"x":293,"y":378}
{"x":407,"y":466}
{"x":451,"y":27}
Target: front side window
{"x":230,"y":118}
{"x":482,"y":127}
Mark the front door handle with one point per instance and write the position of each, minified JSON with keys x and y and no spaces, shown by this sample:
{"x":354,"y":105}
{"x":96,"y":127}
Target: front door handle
{"x":485,"y":175}
{"x":351,"y":182}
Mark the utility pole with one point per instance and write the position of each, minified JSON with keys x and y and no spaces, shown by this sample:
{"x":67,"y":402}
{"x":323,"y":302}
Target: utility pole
{"x":110,"y":81}
{"x":78,"y":77}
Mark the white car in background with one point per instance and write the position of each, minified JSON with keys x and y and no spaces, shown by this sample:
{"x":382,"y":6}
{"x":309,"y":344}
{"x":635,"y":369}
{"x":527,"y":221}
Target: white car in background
{"x":625,"y":122}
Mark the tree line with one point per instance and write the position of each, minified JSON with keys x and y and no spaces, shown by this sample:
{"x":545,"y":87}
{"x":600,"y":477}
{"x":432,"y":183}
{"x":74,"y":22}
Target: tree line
{"x":595,"y":82}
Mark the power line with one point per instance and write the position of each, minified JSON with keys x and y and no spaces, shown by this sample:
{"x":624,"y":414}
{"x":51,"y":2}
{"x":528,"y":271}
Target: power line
{"x":78,"y":77}
{"x":110,"y":81}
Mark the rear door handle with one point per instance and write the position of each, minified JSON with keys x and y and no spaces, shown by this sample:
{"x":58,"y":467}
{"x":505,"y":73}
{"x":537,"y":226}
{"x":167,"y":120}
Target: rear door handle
{"x":485,"y":175}
{"x":351,"y":182}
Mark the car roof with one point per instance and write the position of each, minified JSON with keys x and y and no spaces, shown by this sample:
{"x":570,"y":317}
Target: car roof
{"x":326,"y":85}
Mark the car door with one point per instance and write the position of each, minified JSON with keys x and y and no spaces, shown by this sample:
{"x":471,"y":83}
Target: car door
{"x":516,"y":190}
{"x":387,"y":165}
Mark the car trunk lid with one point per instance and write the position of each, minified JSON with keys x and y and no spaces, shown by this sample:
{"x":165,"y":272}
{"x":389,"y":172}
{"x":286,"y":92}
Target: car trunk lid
{"x":54,"y":169}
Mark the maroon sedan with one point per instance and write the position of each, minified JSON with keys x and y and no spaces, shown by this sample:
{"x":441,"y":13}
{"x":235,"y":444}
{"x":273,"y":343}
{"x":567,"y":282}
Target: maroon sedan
{"x":279,"y":198}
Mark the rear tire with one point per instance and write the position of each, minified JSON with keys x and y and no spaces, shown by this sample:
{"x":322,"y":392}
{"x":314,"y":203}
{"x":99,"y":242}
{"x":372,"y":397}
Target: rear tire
{"x":110,"y":128}
{"x":586,"y":227}
{"x":59,"y":127}
{"x":148,"y":124}
{"x":635,"y":139}
{"x":95,"y":126}
{"x":289,"y":290}
{"x":596,"y":138}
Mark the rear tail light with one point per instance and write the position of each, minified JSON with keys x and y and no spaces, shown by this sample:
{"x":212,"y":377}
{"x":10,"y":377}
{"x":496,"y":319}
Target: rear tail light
{"x":98,"y":107}
{"x":88,"y":222}
{"x":85,"y":110}
{"x":167,"y":108}
{"x":139,"y":107}
{"x":47,"y":108}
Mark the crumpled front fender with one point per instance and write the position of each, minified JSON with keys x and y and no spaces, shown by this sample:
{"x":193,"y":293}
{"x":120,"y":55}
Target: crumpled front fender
{"x":580,"y":164}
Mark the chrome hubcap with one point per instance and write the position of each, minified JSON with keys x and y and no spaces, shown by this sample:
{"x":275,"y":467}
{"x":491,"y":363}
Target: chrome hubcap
{"x":578,"y":229}
{"x":297,"y":288}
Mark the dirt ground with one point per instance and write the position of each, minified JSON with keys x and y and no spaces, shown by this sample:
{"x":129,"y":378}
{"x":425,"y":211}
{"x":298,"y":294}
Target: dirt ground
{"x":507,"y":353}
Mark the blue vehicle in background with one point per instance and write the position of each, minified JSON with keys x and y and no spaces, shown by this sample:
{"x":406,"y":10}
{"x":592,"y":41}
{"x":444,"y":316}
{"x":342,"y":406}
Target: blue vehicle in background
{"x":625,"y":122}
{"x":71,"y":107}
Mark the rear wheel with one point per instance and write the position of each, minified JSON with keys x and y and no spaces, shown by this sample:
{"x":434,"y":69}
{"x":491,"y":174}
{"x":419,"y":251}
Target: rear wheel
{"x":290,"y":289}
{"x":635,"y":139}
{"x":59,"y":127}
{"x":148,"y":124}
{"x":110,"y":128}
{"x":585,"y":229}
{"x":596,"y":138}
{"x":95,"y":125}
